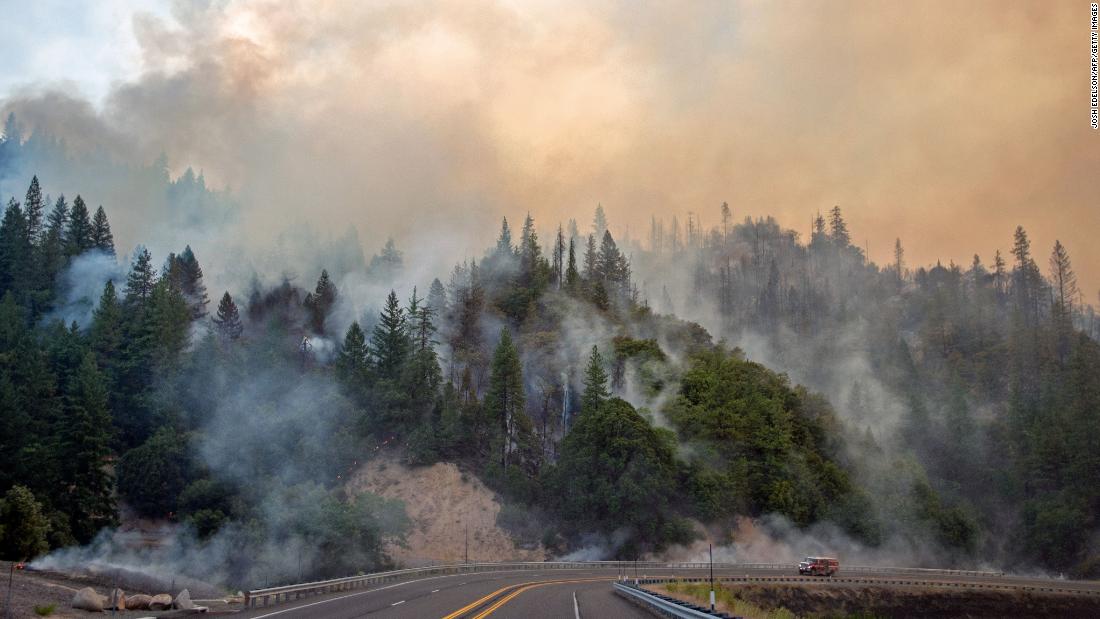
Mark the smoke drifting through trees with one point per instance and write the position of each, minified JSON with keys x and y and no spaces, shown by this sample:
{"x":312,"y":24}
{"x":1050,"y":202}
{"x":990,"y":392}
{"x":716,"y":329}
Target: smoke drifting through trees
{"x":919,"y":354}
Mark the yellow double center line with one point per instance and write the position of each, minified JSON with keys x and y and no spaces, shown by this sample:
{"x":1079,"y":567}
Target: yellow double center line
{"x":519,"y":588}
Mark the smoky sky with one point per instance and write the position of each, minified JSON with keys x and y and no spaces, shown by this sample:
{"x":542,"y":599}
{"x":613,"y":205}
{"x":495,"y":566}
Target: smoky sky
{"x":944,"y":123}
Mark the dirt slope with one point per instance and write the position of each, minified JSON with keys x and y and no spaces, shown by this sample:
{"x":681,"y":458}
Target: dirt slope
{"x":442,"y":502}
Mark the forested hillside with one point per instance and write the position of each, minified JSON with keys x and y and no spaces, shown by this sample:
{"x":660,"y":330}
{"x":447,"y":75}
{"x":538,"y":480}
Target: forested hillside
{"x":551,"y":369}
{"x":987,"y":374}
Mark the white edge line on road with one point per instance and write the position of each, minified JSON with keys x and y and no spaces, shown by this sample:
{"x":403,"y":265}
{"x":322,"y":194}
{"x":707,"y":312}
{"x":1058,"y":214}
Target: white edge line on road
{"x":435,"y":590}
{"x":396,"y":603}
{"x":576,"y":608}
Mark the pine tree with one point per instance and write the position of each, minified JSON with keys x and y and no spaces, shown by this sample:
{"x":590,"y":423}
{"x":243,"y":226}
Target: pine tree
{"x":530,"y":252}
{"x":590,"y":261}
{"x":572,"y":277}
{"x":227,"y":321}
{"x":85,"y":437}
{"x":102,"y":239}
{"x":353,"y":360}
{"x":33,"y":211}
{"x":15,"y":252}
{"x":727,"y":217}
{"x":106,"y":331}
{"x":140,"y":281}
{"x":79,"y":234}
{"x":169,"y":324}
{"x":610,"y":262}
{"x":595,"y":383}
{"x":559,"y":258}
{"x":424,"y":375}
{"x":390,"y":339}
{"x":504,"y":241}
{"x":899,"y":260}
{"x":191,"y":284}
{"x":838,"y":228}
{"x":504,"y":402}
{"x":599,"y":222}
{"x":58,"y":219}
{"x":437,"y":298}
{"x":387,"y":265}
{"x":1064,"y":281}
{"x":321,"y":302}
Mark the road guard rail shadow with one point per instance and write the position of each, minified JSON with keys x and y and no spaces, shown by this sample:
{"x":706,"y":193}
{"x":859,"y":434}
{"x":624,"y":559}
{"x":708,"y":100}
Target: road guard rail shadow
{"x":284,"y":593}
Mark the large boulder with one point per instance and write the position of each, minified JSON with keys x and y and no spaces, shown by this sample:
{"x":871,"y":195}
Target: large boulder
{"x":139,"y":601}
{"x":160,"y":601}
{"x":183,"y":601}
{"x":116,"y":600}
{"x":88,"y":599}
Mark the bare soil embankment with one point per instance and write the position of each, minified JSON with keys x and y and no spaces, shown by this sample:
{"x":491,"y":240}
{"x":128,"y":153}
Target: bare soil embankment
{"x":443,"y":504}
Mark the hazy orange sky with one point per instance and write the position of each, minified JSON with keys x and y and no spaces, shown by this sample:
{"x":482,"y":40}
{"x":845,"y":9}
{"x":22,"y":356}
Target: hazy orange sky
{"x":944,"y":123}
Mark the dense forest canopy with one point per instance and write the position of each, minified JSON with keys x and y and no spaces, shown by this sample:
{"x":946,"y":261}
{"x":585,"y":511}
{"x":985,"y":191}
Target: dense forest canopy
{"x":555,"y":368}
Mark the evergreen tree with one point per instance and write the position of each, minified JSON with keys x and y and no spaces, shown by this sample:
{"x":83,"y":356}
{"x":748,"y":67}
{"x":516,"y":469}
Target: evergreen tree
{"x":595,"y":383}
{"x":23,"y":526}
{"x":599,"y":222}
{"x":559,"y":258}
{"x":140,"y":281}
{"x":530,"y":253}
{"x":504,"y":402}
{"x":591,"y":261}
{"x":191,"y":285}
{"x":106,"y":332}
{"x":727,"y":218}
{"x":227,"y":321}
{"x":33,"y":211}
{"x":15,"y":252}
{"x":387,"y":265}
{"x":504,"y":241}
{"x":168,"y":327}
{"x":838,"y":228}
{"x":390,"y":339}
{"x":437,"y":298}
{"x":423,"y":373}
{"x":1064,"y":281}
{"x":102,"y":239}
{"x":353,"y":360}
{"x":899,"y":260}
{"x":321,"y":302}
{"x":52,"y":252}
{"x":58,"y":219}
{"x":86,"y":431}
{"x":79,"y":234}
{"x":572,"y":277}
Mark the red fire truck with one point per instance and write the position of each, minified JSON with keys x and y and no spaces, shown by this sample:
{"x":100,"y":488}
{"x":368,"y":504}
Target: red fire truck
{"x":819,"y":566}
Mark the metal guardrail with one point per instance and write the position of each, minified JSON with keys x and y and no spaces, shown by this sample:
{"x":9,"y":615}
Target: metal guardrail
{"x":285,"y":593}
{"x":1081,"y":588}
{"x":662,"y":606}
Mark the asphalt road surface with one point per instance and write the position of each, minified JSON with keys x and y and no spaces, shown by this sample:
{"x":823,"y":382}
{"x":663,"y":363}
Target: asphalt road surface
{"x":530,"y":594}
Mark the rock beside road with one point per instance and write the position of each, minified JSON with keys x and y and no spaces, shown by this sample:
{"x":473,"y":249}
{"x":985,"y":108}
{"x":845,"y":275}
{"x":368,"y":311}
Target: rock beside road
{"x":88,"y":599}
{"x":116,"y":600}
{"x":183,"y":601}
{"x":138,"y":602}
{"x":161,"y":601}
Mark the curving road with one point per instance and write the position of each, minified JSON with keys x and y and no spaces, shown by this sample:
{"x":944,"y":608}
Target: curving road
{"x":569,"y":593}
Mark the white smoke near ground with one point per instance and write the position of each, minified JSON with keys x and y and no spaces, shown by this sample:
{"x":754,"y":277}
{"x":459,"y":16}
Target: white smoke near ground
{"x":82,"y":285}
{"x":773,"y":539}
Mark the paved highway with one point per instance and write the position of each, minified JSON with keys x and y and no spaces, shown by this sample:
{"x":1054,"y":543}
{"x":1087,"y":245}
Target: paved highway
{"x":532,"y":594}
